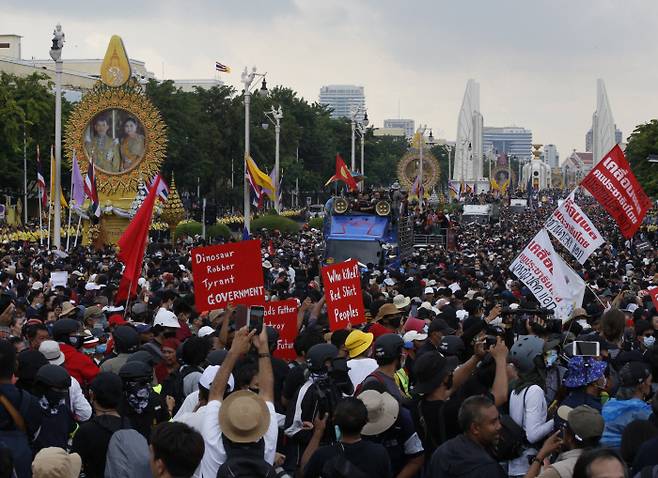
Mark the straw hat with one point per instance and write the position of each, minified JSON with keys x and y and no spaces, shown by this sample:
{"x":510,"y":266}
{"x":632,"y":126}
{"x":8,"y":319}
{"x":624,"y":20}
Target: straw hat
{"x":383,"y":411}
{"x":244,"y":417}
{"x":67,"y":308}
{"x":401,"y":301}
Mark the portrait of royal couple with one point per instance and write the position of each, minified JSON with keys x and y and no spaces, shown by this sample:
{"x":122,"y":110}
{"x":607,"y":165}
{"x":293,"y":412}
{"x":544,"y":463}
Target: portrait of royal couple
{"x":115,"y":141}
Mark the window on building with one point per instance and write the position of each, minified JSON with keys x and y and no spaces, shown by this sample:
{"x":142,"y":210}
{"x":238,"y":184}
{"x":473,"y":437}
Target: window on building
{"x":5,"y":45}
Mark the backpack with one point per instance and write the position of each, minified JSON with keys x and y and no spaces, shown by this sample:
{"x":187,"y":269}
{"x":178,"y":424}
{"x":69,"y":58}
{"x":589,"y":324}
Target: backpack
{"x":512,"y":438}
{"x":16,"y":441}
{"x":246,"y":461}
{"x":127,"y":455}
{"x":341,"y":467}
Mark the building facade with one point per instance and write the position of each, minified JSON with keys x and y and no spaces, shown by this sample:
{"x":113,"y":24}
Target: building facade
{"x":575,"y":167}
{"x":408,"y":125}
{"x":342,"y":98}
{"x":551,"y":155}
{"x":511,"y":140}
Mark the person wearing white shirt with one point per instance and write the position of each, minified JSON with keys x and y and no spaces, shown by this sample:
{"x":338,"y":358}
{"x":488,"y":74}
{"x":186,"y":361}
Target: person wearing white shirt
{"x":360,"y":365}
{"x":218,"y":423}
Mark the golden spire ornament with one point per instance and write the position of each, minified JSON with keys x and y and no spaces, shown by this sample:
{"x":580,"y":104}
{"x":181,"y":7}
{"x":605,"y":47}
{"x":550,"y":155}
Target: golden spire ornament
{"x":173,"y":211}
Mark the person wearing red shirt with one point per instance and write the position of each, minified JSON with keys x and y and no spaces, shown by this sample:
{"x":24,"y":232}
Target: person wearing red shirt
{"x":77,"y":364}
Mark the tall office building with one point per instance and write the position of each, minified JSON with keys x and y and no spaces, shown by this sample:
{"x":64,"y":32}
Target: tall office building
{"x":551,"y":156}
{"x":511,"y":140}
{"x":408,"y":125}
{"x":341,"y":98}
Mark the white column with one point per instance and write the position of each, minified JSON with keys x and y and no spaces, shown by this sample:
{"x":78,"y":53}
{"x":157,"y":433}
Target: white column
{"x":57,"y":224}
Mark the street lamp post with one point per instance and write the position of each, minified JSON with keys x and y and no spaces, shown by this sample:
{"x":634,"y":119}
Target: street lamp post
{"x":275,"y":115}
{"x":247,"y":79}
{"x":56,"y":55}
{"x":362,"y":130}
{"x":25,"y":175}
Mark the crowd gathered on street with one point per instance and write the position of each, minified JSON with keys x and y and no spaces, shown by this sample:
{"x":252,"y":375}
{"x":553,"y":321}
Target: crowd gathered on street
{"x":457,"y":371}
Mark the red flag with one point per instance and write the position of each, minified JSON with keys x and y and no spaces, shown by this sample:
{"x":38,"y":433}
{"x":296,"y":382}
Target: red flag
{"x":653,"y":292}
{"x":342,"y":174}
{"x":614,"y":186}
{"x":133,"y":243}
{"x":270,"y":248}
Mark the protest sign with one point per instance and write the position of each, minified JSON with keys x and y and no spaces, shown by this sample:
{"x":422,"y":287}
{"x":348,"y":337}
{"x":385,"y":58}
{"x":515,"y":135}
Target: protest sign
{"x":342,"y":292}
{"x":614,"y":186}
{"x":227,"y":273}
{"x":282,"y":316}
{"x":59,"y":278}
{"x":571,"y":226}
{"x":553,"y":283}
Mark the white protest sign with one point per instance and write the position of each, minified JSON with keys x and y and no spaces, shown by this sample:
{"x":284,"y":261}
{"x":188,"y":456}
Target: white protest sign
{"x":553,"y":283}
{"x":571,"y":226}
{"x":59,"y":278}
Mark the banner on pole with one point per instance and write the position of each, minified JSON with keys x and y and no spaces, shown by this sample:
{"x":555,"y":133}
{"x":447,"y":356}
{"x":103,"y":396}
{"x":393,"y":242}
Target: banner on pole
{"x":571,"y":226}
{"x":228,"y":273}
{"x":342,"y":292}
{"x":282,"y":316}
{"x":614,"y":186}
{"x":553,"y":283}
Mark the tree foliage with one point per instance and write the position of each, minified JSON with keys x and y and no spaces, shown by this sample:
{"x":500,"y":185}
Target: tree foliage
{"x":642,"y":143}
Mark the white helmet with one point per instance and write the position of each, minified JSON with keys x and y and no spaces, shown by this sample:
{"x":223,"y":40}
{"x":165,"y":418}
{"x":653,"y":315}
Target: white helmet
{"x":166,"y":318}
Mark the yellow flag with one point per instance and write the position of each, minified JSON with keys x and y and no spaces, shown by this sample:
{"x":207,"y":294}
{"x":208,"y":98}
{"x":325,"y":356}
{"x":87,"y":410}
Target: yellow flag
{"x":52,"y":182}
{"x":258,"y":177}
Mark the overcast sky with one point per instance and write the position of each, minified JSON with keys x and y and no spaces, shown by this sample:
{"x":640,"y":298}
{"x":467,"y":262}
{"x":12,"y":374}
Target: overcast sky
{"x":537,"y":61}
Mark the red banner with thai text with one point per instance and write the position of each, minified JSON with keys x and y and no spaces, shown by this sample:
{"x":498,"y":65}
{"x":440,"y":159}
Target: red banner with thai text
{"x":614,"y":186}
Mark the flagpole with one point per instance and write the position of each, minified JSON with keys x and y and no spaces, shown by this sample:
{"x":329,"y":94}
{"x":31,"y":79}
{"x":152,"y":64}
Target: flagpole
{"x":77,"y":231}
{"x":68,"y":227}
{"x":40,"y":217}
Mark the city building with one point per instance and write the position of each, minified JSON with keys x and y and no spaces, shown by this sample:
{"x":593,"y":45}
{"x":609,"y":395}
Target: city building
{"x":408,"y":125}
{"x":389,"y":132}
{"x":511,"y":140}
{"x":575,"y":167}
{"x":468,"y":162}
{"x":342,"y":98}
{"x":619,"y":138}
{"x":79,"y":75}
{"x":551,"y":156}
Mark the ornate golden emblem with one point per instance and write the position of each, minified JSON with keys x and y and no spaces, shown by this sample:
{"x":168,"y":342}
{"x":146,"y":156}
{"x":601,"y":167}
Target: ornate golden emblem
{"x":408,"y":170}
{"x":115,"y":69}
{"x":121,"y":130}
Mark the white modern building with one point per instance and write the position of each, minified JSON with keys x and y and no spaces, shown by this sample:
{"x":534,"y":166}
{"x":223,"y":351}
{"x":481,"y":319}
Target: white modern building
{"x":468,"y":162}
{"x":389,"y":132}
{"x":408,"y":125}
{"x":342,"y":98}
{"x":551,"y":156}
{"x":512,"y":140}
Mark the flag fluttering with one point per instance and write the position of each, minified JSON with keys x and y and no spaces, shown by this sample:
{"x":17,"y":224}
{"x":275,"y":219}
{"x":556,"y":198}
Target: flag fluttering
{"x":91,"y":191}
{"x":41,"y":182}
{"x":342,"y":174}
{"x":221,"y":67}
{"x":77,"y":183}
{"x":62,"y":201}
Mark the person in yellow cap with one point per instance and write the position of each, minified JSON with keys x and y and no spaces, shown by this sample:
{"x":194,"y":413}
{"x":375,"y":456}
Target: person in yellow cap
{"x":359,"y":348}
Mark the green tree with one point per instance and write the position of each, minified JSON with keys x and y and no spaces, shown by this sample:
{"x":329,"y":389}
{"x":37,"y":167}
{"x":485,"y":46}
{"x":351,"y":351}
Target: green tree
{"x":642,"y":143}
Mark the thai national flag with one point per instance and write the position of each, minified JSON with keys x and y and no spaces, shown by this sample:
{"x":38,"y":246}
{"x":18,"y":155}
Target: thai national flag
{"x":41,"y":182}
{"x":91,"y":191}
{"x":163,"y":190}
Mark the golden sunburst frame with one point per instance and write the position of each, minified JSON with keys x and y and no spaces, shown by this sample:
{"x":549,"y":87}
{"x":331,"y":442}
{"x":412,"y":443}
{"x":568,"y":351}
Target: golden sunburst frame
{"x":408,"y":170}
{"x":106,"y":100}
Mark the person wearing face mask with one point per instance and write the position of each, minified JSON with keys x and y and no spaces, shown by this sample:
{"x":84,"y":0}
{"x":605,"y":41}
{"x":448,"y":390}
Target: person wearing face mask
{"x":67,"y":333}
{"x":165,"y":326}
{"x":140,"y":404}
{"x":51,"y":388}
{"x":628,"y":404}
{"x":644,"y":334}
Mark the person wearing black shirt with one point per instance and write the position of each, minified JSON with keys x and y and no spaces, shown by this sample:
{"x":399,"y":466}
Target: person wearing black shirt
{"x":364,"y":458}
{"x":93,"y":437}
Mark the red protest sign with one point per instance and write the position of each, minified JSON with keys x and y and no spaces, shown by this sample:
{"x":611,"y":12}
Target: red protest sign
{"x":227,"y":273}
{"x":342,"y":293}
{"x":614,"y":186}
{"x":282,"y":316}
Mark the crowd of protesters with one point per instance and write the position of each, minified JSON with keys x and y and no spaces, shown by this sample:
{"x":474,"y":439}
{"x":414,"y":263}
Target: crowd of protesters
{"x":456,"y":373}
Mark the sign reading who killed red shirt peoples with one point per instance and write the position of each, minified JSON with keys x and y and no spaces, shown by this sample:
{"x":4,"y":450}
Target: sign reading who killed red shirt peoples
{"x":342,"y":293}
{"x":615,"y":187}
{"x":228,"y":273}
{"x":281,"y":315}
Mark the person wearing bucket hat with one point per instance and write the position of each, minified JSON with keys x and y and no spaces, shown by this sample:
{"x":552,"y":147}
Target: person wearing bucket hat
{"x":244,"y":421}
{"x":585,"y":380}
{"x":387,"y":320}
{"x":392,"y":426}
{"x":360,"y":365}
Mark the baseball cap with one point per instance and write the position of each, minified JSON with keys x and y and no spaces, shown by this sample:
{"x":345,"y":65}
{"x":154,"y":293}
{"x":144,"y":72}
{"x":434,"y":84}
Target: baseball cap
{"x":50,"y":350}
{"x":139,"y":308}
{"x":429,"y":290}
{"x":209,"y":375}
{"x":633,"y":373}
{"x":630,"y":308}
{"x":358,"y":342}
{"x":107,"y":385}
{"x":584,"y":421}
{"x":205,"y":330}
{"x":431,"y":368}
{"x":413,"y":335}
{"x":388,"y":346}
{"x":37,"y":285}
{"x":451,"y":345}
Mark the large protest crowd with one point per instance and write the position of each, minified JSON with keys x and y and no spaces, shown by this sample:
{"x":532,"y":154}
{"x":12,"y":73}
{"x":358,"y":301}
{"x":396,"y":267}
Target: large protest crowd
{"x":456,"y":372}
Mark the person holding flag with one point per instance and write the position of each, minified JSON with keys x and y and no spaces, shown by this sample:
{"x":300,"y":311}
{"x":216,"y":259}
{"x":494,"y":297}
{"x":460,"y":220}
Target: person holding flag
{"x":342,"y":174}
